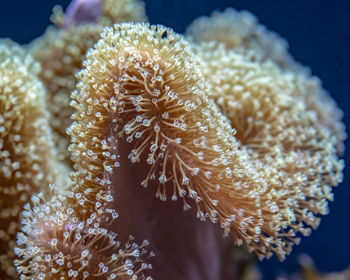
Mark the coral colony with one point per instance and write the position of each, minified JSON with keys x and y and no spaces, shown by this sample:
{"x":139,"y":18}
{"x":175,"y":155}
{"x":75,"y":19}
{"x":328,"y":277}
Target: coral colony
{"x":129,"y":151}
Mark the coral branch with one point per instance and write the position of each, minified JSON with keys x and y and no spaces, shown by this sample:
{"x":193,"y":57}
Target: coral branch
{"x":61,"y":52}
{"x":226,"y":125}
{"x":57,"y":245}
{"x":58,"y":232}
{"x":241,"y":32}
{"x":265,"y":184}
{"x":281,"y":134}
{"x":27,"y":156}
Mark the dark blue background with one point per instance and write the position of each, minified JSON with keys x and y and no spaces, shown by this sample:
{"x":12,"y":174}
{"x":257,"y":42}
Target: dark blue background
{"x":319,"y":36}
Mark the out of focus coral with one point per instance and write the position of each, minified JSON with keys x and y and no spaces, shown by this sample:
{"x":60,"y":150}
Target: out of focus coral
{"x":27,"y":156}
{"x":222,"y":122}
{"x":61,"y":50}
{"x":310,"y":272}
{"x":241,"y":32}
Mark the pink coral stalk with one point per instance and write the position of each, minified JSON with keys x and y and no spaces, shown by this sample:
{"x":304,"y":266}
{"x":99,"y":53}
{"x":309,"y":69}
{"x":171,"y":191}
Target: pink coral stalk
{"x":82,"y":11}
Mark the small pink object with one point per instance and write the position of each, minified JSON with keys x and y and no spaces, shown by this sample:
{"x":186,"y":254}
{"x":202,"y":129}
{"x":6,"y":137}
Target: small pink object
{"x":82,"y":11}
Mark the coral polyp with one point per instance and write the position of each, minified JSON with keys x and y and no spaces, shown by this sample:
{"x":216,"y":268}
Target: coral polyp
{"x":134,"y":149}
{"x":240,"y":32}
{"x":251,"y":174}
{"x":61,"y":52}
{"x":27,"y":155}
{"x":57,"y":245}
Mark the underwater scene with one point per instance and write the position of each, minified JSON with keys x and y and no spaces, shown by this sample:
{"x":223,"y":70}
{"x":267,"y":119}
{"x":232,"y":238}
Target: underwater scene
{"x":173,"y":139}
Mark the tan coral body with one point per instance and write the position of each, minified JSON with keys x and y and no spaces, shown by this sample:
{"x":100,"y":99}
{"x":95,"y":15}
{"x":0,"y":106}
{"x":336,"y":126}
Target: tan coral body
{"x":153,"y":95}
{"x":56,"y":243}
{"x":61,"y":53}
{"x":227,"y":127}
{"x":27,"y":157}
{"x":240,"y":32}
{"x":282,"y":135}
{"x":57,"y":232}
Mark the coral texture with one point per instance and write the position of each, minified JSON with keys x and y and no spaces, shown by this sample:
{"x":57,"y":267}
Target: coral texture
{"x":174,"y":141}
{"x":277,"y":132}
{"x":241,"y":32}
{"x":62,"y":51}
{"x":27,"y":157}
{"x":263,"y":176}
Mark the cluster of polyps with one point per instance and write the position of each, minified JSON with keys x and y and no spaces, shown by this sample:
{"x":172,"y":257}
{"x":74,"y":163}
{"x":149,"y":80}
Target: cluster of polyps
{"x":24,"y":137}
{"x":56,"y":244}
{"x":229,"y":130}
{"x":159,"y":101}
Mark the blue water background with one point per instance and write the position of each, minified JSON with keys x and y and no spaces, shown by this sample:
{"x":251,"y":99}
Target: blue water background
{"x":319,"y":36}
